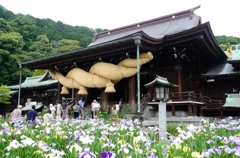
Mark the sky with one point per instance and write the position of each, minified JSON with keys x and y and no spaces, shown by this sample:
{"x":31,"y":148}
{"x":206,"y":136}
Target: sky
{"x":110,"y":14}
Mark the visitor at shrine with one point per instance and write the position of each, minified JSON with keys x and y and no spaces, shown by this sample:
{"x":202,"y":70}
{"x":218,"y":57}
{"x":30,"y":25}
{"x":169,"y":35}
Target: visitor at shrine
{"x":95,"y":108}
{"x":53,"y":110}
{"x":31,"y":116}
{"x":69,"y":110}
{"x":120,"y":104}
{"x":16,"y":115}
{"x":82,"y":110}
{"x":59,"y":111}
{"x":64,"y":109}
{"x":80,"y":107}
{"x":48,"y":117}
{"x":75,"y":110}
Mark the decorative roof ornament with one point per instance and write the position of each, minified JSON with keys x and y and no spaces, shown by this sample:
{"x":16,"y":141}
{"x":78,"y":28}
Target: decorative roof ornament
{"x":159,"y":80}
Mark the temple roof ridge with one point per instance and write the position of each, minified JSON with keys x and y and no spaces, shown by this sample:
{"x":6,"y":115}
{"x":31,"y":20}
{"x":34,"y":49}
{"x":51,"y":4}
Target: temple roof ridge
{"x":157,"y":27}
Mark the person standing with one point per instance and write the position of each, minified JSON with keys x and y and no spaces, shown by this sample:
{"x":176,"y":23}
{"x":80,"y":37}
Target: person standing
{"x":48,"y":117}
{"x":92,"y":108}
{"x":69,"y":110}
{"x":64,"y":109}
{"x":75,"y":110}
{"x":31,"y":115}
{"x":59,"y":111}
{"x":53,"y":110}
{"x":82,"y":110}
{"x":120,"y":105}
{"x":80,"y":107}
{"x":95,"y":108}
{"x":16,"y":115}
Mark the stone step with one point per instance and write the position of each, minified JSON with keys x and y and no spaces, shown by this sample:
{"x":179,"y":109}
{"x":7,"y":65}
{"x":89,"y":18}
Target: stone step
{"x":153,"y":121}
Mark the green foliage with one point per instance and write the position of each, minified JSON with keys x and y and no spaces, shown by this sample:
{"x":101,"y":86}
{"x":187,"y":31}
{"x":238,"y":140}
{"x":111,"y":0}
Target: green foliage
{"x":11,"y":45}
{"x":38,"y":72}
{"x":225,"y":41}
{"x":4,"y":94}
{"x":98,"y":30}
{"x":23,"y":37}
{"x":12,"y":41}
{"x":40,"y":48}
{"x":103,"y":114}
{"x":66,"y":45}
{"x":4,"y":26}
{"x":172,"y":128}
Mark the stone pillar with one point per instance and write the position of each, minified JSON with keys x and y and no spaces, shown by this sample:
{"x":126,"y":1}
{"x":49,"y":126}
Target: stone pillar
{"x":162,"y":118}
{"x":132,"y":93}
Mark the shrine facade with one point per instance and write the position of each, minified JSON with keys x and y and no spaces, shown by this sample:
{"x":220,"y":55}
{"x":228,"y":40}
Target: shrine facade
{"x":177,"y":46}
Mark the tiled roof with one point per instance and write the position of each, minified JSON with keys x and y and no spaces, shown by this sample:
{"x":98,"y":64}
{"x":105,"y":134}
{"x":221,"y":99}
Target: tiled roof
{"x":160,"y":81}
{"x":223,"y":69}
{"x":155,"y":28}
{"x":36,"y":81}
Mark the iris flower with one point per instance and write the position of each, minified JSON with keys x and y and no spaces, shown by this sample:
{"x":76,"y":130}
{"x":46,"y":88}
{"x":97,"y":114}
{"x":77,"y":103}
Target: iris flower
{"x":87,"y":154}
{"x":107,"y":154}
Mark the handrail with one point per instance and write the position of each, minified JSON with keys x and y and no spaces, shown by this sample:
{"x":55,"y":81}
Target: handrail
{"x":186,"y":96}
{"x":191,"y":95}
{"x":144,"y":101}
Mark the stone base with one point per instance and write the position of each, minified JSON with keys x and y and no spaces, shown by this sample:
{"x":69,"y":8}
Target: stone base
{"x":153,"y":121}
{"x":133,"y":116}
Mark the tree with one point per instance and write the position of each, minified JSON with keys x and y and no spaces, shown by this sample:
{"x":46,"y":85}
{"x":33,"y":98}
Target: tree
{"x":40,"y":48}
{"x":225,"y":41}
{"x":5,"y":95}
{"x":38,"y":72}
{"x":4,"y":26}
{"x":26,"y":26}
{"x":11,"y":45}
{"x":66,"y":45}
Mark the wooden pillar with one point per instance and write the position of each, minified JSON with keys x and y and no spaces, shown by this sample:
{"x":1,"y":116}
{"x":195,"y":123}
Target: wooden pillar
{"x":221,"y":113}
{"x":195,"y":109}
{"x":201,"y":111}
{"x":59,"y":97}
{"x":104,"y":100}
{"x":179,"y":79}
{"x":173,"y":110}
{"x":189,"y":109}
{"x":132,"y":93}
{"x":77,"y":96}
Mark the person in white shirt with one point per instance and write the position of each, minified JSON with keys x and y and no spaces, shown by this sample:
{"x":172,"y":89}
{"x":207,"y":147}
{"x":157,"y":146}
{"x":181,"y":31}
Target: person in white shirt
{"x":16,"y":115}
{"x":95,"y":108}
{"x":59,"y":111}
{"x":47,"y":118}
{"x":53,"y":110}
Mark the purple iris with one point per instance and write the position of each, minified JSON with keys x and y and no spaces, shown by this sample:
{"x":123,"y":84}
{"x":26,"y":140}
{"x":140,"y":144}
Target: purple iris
{"x":106,"y":154}
{"x":4,"y":131}
{"x":153,"y":156}
{"x":86,"y":154}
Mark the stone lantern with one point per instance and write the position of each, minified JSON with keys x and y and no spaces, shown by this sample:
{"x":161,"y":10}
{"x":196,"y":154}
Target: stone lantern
{"x":159,"y":88}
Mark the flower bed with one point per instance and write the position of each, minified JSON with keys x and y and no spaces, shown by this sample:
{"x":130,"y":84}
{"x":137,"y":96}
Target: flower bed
{"x":125,"y":139}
